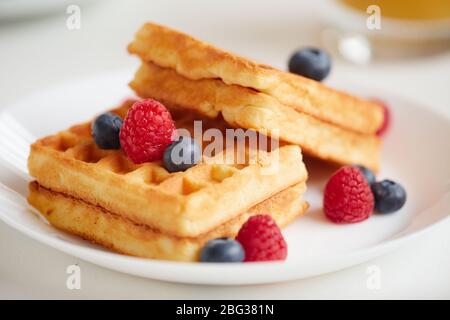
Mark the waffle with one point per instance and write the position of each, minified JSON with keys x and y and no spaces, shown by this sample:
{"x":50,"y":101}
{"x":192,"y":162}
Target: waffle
{"x":183,"y":204}
{"x":124,"y":236}
{"x":247,"y":108}
{"x":197,"y":60}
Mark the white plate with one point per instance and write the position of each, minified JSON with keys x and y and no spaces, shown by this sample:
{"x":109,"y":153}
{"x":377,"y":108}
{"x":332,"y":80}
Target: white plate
{"x":416,"y":153}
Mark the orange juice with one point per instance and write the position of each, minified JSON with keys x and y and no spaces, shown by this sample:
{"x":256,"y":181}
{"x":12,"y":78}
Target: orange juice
{"x":406,"y":9}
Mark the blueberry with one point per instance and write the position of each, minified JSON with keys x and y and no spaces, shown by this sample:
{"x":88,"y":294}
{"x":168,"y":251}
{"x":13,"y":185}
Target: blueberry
{"x":389,"y":196}
{"x":222,"y":250}
{"x":182,"y":154}
{"x":311,"y":63}
{"x":105,"y":130}
{"x":370,"y":177}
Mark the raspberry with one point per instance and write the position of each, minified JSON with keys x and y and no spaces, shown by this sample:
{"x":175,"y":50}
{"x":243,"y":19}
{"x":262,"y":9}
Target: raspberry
{"x":262,"y":239}
{"x":386,"y":118}
{"x":348,"y":197}
{"x":146,"y":132}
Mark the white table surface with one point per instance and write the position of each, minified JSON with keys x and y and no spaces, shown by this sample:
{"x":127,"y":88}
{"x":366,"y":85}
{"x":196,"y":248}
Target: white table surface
{"x":38,"y":53}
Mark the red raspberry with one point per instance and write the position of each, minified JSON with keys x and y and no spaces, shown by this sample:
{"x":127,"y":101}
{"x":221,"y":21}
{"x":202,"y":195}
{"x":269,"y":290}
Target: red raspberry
{"x":147,"y":130}
{"x":347,"y":196}
{"x":386,"y":118}
{"x":262,"y":239}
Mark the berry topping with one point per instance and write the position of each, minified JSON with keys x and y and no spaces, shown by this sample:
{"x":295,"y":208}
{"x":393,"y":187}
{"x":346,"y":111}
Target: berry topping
{"x":147,"y":131}
{"x":182,"y":154}
{"x":386,"y":118}
{"x":105,"y":131}
{"x":389,"y":196}
{"x":311,"y":63}
{"x":262,"y":239}
{"x":368,"y":174}
{"x":222,"y":250}
{"x":347,"y":196}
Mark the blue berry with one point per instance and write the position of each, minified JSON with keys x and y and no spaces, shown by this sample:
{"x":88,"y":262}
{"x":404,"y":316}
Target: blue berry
{"x":389,"y":196}
{"x":222,"y":250}
{"x":181,"y":154}
{"x":105,"y":131}
{"x":311,"y":63}
{"x":370,"y":177}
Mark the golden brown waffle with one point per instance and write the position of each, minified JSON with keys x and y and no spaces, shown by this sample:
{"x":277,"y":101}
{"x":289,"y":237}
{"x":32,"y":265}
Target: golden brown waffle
{"x":184,"y":204}
{"x":124,"y":236}
{"x":197,"y":60}
{"x":247,"y":108}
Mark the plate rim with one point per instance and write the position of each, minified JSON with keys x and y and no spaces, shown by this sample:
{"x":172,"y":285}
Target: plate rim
{"x":88,"y":254}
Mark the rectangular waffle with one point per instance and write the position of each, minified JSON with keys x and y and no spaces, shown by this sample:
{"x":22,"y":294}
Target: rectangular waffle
{"x":183,"y":204}
{"x":125,"y":236}
{"x":247,"y":108}
{"x":195,"y":59}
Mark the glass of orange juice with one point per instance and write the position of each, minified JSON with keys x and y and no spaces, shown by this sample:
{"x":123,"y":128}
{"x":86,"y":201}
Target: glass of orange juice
{"x":423,"y":10}
{"x":362,"y":30}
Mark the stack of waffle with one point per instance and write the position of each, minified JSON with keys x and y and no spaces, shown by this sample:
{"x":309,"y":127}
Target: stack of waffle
{"x":180,"y":70}
{"x":143,"y":210}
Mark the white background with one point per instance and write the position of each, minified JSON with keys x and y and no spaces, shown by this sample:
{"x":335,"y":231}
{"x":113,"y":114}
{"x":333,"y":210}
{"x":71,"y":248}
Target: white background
{"x":38,"y":53}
